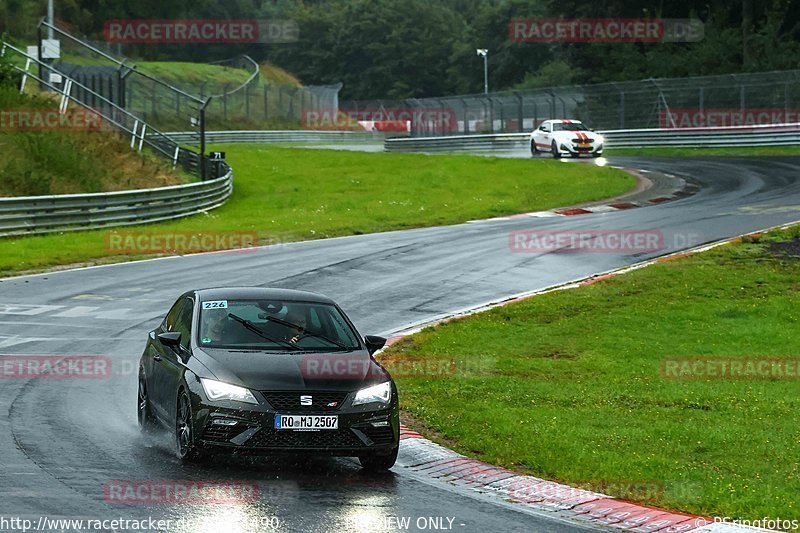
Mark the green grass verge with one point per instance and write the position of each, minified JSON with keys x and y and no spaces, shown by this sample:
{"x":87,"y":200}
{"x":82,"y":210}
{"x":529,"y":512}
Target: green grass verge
{"x":567,"y":385}
{"x":689,"y":152}
{"x":289,"y":194}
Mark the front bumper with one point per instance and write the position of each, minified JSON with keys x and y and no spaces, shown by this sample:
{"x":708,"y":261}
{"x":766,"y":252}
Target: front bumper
{"x":362,"y":430}
{"x":585,"y":149}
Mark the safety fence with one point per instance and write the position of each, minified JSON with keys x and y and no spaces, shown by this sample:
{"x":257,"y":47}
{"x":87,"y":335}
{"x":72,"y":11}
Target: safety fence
{"x":758,"y":98}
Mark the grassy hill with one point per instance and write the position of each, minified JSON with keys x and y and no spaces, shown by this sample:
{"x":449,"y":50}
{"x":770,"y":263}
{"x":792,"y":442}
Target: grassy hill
{"x":60,"y":161}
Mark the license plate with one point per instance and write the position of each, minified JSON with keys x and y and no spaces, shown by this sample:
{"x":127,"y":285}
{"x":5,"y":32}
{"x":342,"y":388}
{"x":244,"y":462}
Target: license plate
{"x":306,"y":422}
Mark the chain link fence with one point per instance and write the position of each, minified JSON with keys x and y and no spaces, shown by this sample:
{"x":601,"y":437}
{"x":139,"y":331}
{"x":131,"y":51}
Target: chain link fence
{"x":707,"y":101}
{"x":244,"y":101}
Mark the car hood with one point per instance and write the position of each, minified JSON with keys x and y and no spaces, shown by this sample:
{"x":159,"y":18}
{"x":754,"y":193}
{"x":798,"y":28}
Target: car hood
{"x":265,"y":371}
{"x":569,"y":135}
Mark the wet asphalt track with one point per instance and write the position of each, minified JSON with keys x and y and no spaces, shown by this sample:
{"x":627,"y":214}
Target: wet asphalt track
{"x":62,"y":441}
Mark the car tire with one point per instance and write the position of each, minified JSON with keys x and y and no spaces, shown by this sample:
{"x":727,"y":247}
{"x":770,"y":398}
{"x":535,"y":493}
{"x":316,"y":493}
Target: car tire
{"x":186,"y":448}
{"x":147,"y":422}
{"x":378,"y":463}
{"x":554,"y":149}
{"x":534,"y":150}
{"x":596,"y":154}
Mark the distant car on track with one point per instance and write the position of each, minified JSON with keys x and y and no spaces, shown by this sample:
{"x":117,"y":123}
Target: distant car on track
{"x":272,"y":371}
{"x":566,"y":137}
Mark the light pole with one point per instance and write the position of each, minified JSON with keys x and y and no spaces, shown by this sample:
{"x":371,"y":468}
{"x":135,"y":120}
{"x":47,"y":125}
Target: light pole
{"x":484,"y":52}
{"x":50,"y":17}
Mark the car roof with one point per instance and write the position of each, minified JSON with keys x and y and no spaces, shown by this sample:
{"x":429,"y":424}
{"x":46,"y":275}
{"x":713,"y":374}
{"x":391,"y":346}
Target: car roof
{"x":266,"y":293}
{"x":567,"y":120}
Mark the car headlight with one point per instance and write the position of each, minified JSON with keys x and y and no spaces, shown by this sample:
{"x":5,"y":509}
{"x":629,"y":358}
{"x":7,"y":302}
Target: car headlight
{"x":598,"y":139}
{"x":217,"y":390}
{"x":376,"y":393}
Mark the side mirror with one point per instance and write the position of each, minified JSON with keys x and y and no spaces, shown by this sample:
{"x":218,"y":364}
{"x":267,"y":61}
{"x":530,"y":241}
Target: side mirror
{"x":170,"y":338}
{"x":374,"y":343}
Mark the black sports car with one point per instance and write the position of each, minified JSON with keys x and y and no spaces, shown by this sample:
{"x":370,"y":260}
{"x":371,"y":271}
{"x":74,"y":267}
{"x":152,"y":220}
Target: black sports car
{"x":270,"y":371}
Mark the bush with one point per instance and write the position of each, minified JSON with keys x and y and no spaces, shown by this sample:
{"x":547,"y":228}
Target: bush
{"x":8,"y":74}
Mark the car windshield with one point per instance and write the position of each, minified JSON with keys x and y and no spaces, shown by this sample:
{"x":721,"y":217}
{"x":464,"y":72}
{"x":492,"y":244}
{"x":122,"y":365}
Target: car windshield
{"x":569,"y":126}
{"x":274,"y":326}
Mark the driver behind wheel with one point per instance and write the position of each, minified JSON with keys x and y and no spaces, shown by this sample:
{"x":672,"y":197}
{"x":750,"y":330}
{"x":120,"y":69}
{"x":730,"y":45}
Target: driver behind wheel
{"x":298,"y":320}
{"x":214,"y":326}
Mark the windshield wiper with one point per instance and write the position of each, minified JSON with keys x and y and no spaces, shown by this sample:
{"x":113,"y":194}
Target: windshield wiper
{"x":306,"y":332}
{"x":258,"y":331}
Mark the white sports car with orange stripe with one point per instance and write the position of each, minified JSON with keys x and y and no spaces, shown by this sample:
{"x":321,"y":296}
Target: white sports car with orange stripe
{"x":566,"y":137}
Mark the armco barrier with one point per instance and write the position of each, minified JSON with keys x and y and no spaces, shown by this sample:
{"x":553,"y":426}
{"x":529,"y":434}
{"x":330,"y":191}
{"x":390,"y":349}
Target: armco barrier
{"x":69,"y":212}
{"x":302,"y":136}
{"x":734,"y":136}
{"x":499,"y":142}
{"x":731,"y":136}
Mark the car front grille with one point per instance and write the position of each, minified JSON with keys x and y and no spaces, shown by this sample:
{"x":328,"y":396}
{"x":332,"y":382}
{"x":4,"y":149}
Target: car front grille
{"x":272,"y":438}
{"x":320,"y":401}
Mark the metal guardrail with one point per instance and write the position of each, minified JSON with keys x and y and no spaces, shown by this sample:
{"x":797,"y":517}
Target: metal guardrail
{"x":734,"y":136}
{"x":311,"y":136}
{"x":33,"y":215}
{"x":499,"y":142}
